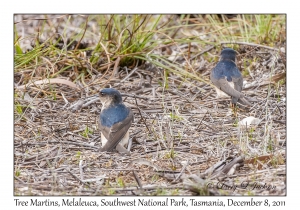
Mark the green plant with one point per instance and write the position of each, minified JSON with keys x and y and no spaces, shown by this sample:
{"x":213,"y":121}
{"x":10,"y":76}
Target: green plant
{"x":86,"y":132}
{"x":154,"y":178}
{"x":78,"y":155}
{"x":17,"y":173}
{"x":159,"y":191}
{"x":111,"y":191}
{"x":251,"y":133}
{"x":125,"y":36}
{"x":19,"y":108}
{"x":175,"y":117}
{"x":248,"y":28}
{"x":120,"y":182}
{"x":171,"y":154}
{"x":250,"y":193}
{"x":175,"y":192}
{"x":235,"y":123}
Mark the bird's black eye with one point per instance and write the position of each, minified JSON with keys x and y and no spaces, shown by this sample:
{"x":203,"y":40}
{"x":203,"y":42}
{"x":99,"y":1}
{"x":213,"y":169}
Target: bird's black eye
{"x":102,"y":94}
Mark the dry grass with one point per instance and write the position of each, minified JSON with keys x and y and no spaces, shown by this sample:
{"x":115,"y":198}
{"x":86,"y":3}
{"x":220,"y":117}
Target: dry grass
{"x":180,"y":134}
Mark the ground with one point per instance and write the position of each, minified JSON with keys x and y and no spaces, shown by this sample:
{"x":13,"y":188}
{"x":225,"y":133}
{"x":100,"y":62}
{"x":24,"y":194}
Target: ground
{"x":185,"y":141}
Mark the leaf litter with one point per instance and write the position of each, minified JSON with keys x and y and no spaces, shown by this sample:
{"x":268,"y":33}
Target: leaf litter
{"x":183,"y":138}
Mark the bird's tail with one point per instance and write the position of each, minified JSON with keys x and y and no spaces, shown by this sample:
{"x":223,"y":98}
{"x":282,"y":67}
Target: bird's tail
{"x":244,"y":101}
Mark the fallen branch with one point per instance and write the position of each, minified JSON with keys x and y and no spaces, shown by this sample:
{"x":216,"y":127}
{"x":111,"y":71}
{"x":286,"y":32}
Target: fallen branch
{"x":250,"y":44}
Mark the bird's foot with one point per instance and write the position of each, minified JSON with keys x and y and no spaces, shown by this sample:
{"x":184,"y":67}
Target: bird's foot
{"x":234,"y":108}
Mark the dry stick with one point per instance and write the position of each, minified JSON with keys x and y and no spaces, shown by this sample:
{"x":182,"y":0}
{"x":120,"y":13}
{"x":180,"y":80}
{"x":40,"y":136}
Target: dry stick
{"x":75,"y":143}
{"x":64,"y":142}
{"x":129,"y":74}
{"x":136,"y":68}
{"x":114,"y":70}
{"x":118,"y":169}
{"x":250,"y":44}
{"x":148,"y":188}
{"x":205,"y":96}
{"x":41,"y":155}
{"x":209,"y":126}
{"x":181,"y":172}
{"x":86,"y":24}
{"x":108,"y":66}
{"x":88,"y":63}
{"x":20,"y":180}
{"x":40,"y":19}
{"x":133,"y":96}
{"x":142,"y":115}
{"x":201,"y":121}
{"x":280,"y":121}
{"x":189,"y":56}
{"x":137,"y":179}
{"x":75,"y":177}
{"x":81,"y":169}
{"x":115,"y":67}
{"x":228,"y":166}
{"x":202,"y":52}
{"x":90,"y":102}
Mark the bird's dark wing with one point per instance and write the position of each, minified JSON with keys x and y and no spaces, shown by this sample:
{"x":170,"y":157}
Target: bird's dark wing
{"x":223,"y":85}
{"x":238,"y":83}
{"x":116,"y":132}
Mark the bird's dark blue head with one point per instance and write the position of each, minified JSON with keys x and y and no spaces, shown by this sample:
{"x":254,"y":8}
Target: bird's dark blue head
{"x":110,"y":96}
{"x":228,"y":54}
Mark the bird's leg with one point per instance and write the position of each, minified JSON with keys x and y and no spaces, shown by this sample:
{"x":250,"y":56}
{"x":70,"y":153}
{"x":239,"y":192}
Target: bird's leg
{"x":234,"y":108}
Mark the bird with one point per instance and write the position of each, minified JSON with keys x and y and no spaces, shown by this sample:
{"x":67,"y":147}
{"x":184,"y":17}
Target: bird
{"x":114,"y":121}
{"x":228,"y":79}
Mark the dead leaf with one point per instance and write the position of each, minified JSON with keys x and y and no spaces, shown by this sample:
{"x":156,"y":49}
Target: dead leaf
{"x":50,"y":81}
{"x":278,"y":77}
{"x":248,"y":121}
{"x":262,"y":158}
{"x":259,"y":161}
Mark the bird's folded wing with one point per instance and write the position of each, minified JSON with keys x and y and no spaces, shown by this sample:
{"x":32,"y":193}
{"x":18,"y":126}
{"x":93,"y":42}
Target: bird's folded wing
{"x":238,"y":83}
{"x":115,"y":133}
{"x":223,"y":85}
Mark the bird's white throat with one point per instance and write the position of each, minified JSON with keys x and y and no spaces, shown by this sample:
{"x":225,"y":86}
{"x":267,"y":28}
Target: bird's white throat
{"x":106,"y":102}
